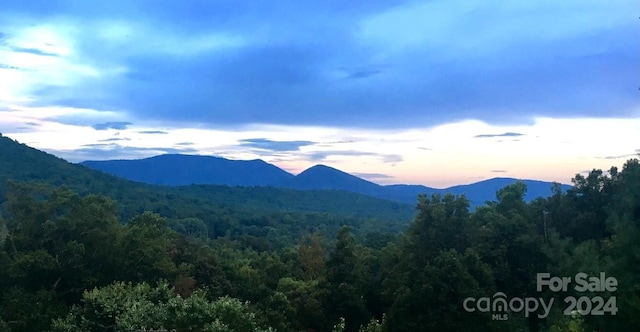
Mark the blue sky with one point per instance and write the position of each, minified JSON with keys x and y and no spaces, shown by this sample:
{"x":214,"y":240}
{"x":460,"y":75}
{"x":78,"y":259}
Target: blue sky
{"x":432,"y":92}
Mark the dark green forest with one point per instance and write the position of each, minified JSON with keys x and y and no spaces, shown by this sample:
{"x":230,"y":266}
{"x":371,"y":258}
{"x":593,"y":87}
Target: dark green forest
{"x":132,"y":257}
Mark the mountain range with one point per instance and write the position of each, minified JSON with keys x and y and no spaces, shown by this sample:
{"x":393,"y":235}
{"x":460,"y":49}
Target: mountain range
{"x":180,"y":170}
{"x":21,"y":163}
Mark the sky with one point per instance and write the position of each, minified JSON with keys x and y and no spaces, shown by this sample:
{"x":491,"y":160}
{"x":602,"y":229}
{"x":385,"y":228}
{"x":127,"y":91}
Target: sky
{"x":439,"y":92}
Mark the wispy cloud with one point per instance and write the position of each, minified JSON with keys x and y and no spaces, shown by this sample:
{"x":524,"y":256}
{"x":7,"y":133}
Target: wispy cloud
{"x":107,"y":151}
{"x":115,"y":139}
{"x":362,"y":71}
{"x":373,"y":176}
{"x":267,"y":144}
{"x":499,"y":135}
{"x":34,"y":51}
{"x":323,"y":155}
{"x":453,"y":159}
{"x":5,"y":66}
{"x":629,"y":155}
{"x":111,"y":125}
{"x":498,"y":171}
{"x":159,"y":132}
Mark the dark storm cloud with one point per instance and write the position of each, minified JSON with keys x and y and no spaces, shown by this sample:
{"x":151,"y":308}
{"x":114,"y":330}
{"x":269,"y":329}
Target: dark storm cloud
{"x":316,"y":63}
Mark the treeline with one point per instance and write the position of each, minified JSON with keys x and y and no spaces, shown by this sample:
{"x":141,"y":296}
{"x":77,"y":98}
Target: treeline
{"x":69,"y":262}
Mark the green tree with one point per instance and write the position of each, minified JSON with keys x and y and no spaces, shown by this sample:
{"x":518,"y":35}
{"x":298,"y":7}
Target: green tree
{"x":306,"y":299}
{"x":124,"y":306}
{"x":311,"y":255}
{"x":146,"y":250}
{"x":343,"y":284}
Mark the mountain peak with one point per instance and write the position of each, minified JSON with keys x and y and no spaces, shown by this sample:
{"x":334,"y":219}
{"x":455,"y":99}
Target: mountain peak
{"x":326,"y":177}
{"x":184,"y":169}
{"x":321,"y":168}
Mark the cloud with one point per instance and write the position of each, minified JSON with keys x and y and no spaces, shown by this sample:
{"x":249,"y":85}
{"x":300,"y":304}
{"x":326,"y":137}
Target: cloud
{"x":5,"y":66}
{"x":108,"y":151}
{"x":499,"y":135}
{"x":392,"y":158}
{"x":185,"y":143}
{"x":372,"y":64}
{"x":629,"y":155}
{"x":345,"y":141}
{"x":449,"y":163}
{"x":101,"y":145}
{"x":13,"y":129}
{"x":267,"y":144}
{"x":362,"y":71}
{"x":160,"y":132}
{"x":323,"y":155}
{"x":424,"y":148}
{"x":216,"y":72}
{"x":115,"y":139}
{"x":111,"y":125}
{"x":34,"y":51}
{"x":498,"y":171}
{"x":373,"y":176}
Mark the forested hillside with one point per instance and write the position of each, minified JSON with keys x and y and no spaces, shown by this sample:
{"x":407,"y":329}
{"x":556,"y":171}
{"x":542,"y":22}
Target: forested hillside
{"x":224,"y":210}
{"x":70,"y":262}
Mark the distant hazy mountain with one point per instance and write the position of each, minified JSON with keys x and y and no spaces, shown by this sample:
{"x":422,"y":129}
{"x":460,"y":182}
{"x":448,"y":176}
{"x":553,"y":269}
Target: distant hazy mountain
{"x":178,"y":170}
{"x":477,"y":192}
{"x":187,"y":169}
{"x":324,"y":177}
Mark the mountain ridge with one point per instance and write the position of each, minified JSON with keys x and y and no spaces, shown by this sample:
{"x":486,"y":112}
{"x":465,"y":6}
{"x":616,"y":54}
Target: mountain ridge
{"x":179,"y":169}
{"x":21,"y":163}
{"x":318,"y":177}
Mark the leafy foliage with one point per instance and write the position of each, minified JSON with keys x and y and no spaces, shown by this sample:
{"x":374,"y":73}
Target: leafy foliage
{"x":70,"y":261}
{"x":127,"y":307}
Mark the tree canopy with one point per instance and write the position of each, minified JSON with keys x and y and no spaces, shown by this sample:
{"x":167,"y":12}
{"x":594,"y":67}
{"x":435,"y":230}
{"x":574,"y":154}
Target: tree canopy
{"x":71,"y":261}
